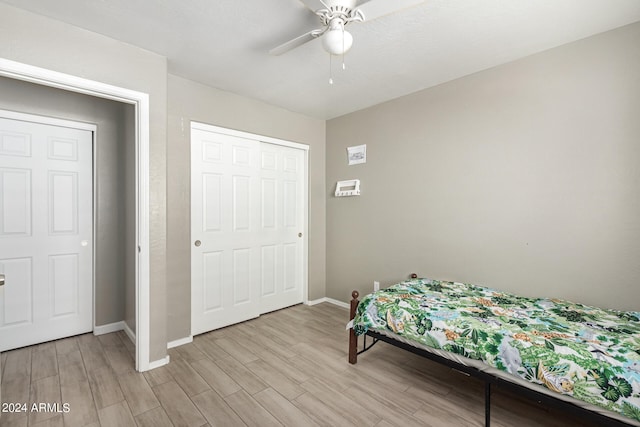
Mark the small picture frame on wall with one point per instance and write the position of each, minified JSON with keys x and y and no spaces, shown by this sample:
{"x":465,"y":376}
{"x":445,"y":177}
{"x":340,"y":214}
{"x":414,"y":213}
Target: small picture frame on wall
{"x":357,"y":154}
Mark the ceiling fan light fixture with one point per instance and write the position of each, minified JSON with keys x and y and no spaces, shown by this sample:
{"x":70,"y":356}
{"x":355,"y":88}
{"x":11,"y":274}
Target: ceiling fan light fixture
{"x":337,"y":41}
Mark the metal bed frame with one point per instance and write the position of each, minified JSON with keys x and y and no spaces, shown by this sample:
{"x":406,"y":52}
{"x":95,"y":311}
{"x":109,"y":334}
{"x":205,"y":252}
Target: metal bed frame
{"x":489,"y":379}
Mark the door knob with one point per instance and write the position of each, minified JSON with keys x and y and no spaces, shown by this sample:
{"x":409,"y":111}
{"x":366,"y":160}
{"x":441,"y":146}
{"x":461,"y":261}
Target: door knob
{"x":198,"y":243}
{"x":1,"y":279}
{"x":299,"y":234}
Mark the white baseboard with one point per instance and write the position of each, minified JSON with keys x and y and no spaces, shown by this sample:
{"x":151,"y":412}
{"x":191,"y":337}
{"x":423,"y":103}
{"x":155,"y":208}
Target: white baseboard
{"x":129,"y":332}
{"x":107,"y":329}
{"x":178,"y":343}
{"x":115,"y":327}
{"x":330,"y":301}
{"x":157,"y":363}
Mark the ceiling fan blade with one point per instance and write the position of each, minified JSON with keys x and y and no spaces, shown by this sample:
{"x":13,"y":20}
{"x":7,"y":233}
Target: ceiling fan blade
{"x":315,"y":4}
{"x":374,"y":9}
{"x":298,"y":41}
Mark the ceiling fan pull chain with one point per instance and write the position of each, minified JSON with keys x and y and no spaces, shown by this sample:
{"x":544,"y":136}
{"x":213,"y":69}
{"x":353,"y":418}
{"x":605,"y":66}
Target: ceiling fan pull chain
{"x":344,"y":67}
{"x":330,"y":71}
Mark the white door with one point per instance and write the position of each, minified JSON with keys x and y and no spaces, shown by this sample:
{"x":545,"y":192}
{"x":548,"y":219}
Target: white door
{"x":224,"y":256}
{"x":46,"y":231}
{"x":281,"y":224}
{"x":247,"y":216}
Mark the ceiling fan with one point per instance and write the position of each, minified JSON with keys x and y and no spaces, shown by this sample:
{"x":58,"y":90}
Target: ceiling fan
{"x":335,"y":15}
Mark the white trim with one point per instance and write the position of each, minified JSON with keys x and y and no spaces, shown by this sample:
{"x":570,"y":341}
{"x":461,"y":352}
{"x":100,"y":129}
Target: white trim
{"x":53,"y":121}
{"x":143,"y":269}
{"x":115,"y":327}
{"x":248,"y":135}
{"x":94,"y":236}
{"x":129,"y":332}
{"x":158,"y":363}
{"x":179,"y":342}
{"x":140,"y":100}
{"x":305,"y":231}
{"x":109,"y":328}
{"x":330,"y":301}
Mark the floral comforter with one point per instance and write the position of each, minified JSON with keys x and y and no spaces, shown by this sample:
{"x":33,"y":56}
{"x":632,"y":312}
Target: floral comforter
{"x":585,"y":352}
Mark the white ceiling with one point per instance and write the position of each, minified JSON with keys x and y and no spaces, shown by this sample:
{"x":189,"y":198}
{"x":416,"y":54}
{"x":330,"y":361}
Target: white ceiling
{"x":225,"y":43}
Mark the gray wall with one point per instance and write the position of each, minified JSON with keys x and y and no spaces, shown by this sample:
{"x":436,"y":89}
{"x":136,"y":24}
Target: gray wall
{"x":192,"y":101}
{"x":112,"y":209}
{"x":523,"y":177}
{"x":36,"y":40}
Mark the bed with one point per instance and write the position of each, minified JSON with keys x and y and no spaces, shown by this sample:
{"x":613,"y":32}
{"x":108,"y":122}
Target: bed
{"x":583,"y":358}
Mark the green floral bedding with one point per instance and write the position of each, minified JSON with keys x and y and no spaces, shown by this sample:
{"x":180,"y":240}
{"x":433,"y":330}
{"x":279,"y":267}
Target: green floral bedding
{"x":585,"y":352}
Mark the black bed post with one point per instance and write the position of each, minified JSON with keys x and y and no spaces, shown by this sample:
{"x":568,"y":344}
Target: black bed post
{"x":353,"y":339}
{"x":487,"y":403}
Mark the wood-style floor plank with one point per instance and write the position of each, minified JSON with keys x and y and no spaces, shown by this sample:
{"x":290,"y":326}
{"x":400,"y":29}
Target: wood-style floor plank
{"x":275,"y":380}
{"x":340,"y":402}
{"x":251,"y":412}
{"x":158,"y":376}
{"x":156,"y":417}
{"x":236,"y":350}
{"x":216,"y":410}
{"x":81,"y":404}
{"x":187,"y":377}
{"x":15,"y":422}
{"x":241,"y":374}
{"x":16,"y":390}
{"x":283,"y":366}
{"x":207,"y":345}
{"x":137,"y":392}
{"x":105,"y":387}
{"x":44,"y":363}
{"x":119,"y":358}
{"x":216,"y":377}
{"x":179,"y":407}
{"x":17,"y":364}
{"x":191,"y":353}
{"x":71,"y":367}
{"x":66,"y":345}
{"x":46,"y":390}
{"x":92,"y":352}
{"x":282,"y":409}
{"x":116,"y":415}
{"x":321,"y":413}
{"x":383,"y":406}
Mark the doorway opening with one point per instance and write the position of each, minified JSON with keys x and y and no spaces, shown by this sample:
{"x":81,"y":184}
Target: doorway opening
{"x":137,"y":106}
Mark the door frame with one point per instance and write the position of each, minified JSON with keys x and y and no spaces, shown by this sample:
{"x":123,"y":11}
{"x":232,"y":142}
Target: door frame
{"x":140,"y":101}
{"x":284,"y":143}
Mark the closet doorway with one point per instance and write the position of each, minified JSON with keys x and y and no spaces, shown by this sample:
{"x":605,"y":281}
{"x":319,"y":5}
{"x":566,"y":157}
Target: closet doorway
{"x":139,"y":122}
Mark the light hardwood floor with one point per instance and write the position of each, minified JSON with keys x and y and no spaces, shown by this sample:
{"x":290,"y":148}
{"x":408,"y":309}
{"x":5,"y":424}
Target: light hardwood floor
{"x":285,"y":368}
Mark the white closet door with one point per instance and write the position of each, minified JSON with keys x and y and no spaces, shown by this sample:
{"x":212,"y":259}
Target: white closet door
{"x":224,"y":256}
{"x":247,"y":209}
{"x":46,"y":231}
{"x":281,"y":221}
